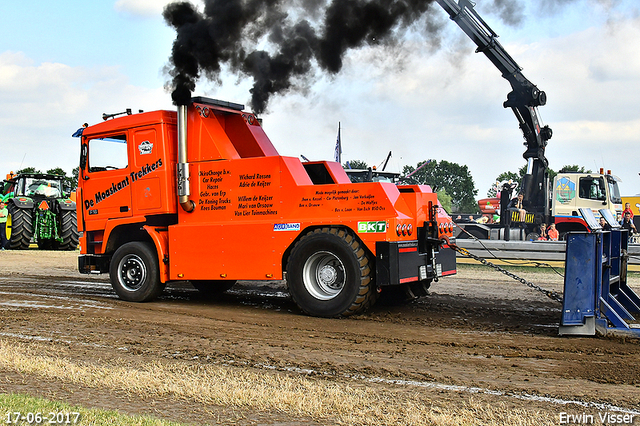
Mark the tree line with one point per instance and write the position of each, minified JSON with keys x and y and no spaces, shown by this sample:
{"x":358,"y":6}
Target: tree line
{"x":453,"y":182}
{"x":70,"y":182}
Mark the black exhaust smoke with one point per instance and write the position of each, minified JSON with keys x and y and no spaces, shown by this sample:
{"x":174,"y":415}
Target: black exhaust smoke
{"x":282,"y":44}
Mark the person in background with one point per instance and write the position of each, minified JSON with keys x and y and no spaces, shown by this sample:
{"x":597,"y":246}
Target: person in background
{"x":543,"y":232}
{"x":553,"y":232}
{"x":482,"y":219}
{"x":4,"y":243}
{"x":627,"y":223}
{"x":604,"y":225}
{"x":517,"y":204}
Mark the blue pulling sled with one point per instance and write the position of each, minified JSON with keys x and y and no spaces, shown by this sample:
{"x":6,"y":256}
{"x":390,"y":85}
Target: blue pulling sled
{"x":597,"y":298}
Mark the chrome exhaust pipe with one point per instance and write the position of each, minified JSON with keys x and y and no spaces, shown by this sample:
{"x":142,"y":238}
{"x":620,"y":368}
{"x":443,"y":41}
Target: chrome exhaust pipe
{"x":182,"y":168}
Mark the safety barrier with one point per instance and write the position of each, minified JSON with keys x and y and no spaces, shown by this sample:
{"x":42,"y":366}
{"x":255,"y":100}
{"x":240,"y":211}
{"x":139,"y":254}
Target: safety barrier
{"x":597,"y":298}
{"x":529,"y":250}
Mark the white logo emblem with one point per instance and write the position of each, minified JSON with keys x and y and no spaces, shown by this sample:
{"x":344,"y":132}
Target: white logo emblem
{"x":145,"y":147}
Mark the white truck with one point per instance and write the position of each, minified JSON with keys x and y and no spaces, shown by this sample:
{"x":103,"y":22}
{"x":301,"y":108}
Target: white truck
{"x":569,"y":193}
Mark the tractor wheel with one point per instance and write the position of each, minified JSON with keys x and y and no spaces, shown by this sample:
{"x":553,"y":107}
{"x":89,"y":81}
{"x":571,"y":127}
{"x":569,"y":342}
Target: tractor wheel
{"x":134,"y":272}
{"x":212,"y":288}
{"x":69,"y":230}
{"x":329,"y":274}
{"x":19,"y":227}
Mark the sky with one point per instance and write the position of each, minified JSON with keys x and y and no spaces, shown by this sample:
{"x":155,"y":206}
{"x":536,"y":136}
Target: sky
{"x":67,"y":62}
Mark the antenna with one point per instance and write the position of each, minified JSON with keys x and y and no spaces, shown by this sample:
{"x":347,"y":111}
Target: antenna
{"x":22,"y":162}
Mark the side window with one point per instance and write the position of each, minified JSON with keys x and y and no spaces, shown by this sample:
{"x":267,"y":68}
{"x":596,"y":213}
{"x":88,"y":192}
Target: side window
{"x":592,"y":188}
{"x":109,"y":153}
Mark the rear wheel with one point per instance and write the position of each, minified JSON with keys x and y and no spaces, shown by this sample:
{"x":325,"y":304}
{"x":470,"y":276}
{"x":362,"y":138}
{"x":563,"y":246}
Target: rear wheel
{"x":134,"y":272}
{"x":19,"y":227}
{"x":69,"y":230}
{"x":329,"y":274}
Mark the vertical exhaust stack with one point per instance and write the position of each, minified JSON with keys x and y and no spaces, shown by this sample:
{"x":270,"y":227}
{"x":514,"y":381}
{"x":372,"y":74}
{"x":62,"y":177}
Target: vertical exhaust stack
{"x":182,"y":167}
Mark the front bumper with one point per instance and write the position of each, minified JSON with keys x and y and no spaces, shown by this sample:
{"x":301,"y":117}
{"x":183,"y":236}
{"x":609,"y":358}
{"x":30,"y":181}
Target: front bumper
{"x":93,"y":263}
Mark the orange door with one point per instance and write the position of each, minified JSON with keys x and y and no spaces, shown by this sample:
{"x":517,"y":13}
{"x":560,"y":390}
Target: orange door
{"x":106,"y":190}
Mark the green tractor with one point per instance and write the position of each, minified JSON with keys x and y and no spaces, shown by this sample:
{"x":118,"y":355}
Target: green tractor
{"x":39,"y":209}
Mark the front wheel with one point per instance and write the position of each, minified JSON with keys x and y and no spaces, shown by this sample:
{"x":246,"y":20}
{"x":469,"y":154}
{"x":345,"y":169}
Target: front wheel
{"x":329,"y":274}
{"x":134,"y":272}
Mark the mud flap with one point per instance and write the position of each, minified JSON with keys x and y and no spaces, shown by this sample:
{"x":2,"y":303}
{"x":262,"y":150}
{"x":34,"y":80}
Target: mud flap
{"x":446,"y":261}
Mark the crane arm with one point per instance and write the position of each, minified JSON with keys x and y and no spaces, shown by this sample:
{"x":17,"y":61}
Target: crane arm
{"x":524,"y":99}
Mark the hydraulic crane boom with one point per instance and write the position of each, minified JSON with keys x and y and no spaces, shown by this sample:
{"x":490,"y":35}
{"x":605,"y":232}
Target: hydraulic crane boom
{"x":524,"y":99}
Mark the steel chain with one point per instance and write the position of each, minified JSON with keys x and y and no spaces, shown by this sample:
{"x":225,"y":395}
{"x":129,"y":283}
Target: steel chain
{"x":549,"y":293}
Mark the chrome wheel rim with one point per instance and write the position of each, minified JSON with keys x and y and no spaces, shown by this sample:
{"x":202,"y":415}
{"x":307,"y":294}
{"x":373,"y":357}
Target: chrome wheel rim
{"x":132,"y":272}
{"x":324,"y":275}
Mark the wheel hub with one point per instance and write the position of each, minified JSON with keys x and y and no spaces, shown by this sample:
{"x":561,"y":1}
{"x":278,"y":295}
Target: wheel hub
{"x":328,"y":275}
{"x":324,"y":275}
{"x":132,"y":272}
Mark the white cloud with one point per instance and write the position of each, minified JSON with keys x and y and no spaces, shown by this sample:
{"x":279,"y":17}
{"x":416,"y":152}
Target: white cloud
{"x":41,"y":105}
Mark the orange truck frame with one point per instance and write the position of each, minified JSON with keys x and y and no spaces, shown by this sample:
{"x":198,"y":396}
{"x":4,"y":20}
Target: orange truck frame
{"x":202,"y":195}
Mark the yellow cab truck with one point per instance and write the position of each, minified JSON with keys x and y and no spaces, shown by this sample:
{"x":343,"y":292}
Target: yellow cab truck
{"x":569,"y":193}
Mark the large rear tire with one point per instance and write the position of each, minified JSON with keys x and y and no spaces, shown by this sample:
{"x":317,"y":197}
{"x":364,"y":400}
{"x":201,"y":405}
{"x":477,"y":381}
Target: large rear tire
{"x":134,"y":272}
{"x":19,"y":227}
{"x":69,"y":230}
{"x":329,"y":274}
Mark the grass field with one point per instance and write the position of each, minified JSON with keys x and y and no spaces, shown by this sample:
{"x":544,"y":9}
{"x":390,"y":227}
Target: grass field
{"x":321,"y":400}
{"x":19,"y":409}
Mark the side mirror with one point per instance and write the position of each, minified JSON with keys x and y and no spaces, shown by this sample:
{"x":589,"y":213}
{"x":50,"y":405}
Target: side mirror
{"x":84,"y":150}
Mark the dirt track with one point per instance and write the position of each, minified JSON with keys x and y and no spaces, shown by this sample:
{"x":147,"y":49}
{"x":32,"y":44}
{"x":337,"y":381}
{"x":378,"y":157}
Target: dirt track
{"x":489,"y":336}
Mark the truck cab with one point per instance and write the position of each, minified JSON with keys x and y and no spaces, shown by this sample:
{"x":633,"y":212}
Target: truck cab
{"x":202,"y":195}
{"x":572,"y":191}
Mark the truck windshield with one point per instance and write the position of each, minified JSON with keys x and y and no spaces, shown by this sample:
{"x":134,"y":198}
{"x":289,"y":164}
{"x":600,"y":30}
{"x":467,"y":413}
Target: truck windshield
{"x":614,"y":191}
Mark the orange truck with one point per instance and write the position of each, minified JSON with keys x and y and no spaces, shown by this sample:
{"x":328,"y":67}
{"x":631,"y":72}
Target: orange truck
{"x":201,"y":194}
